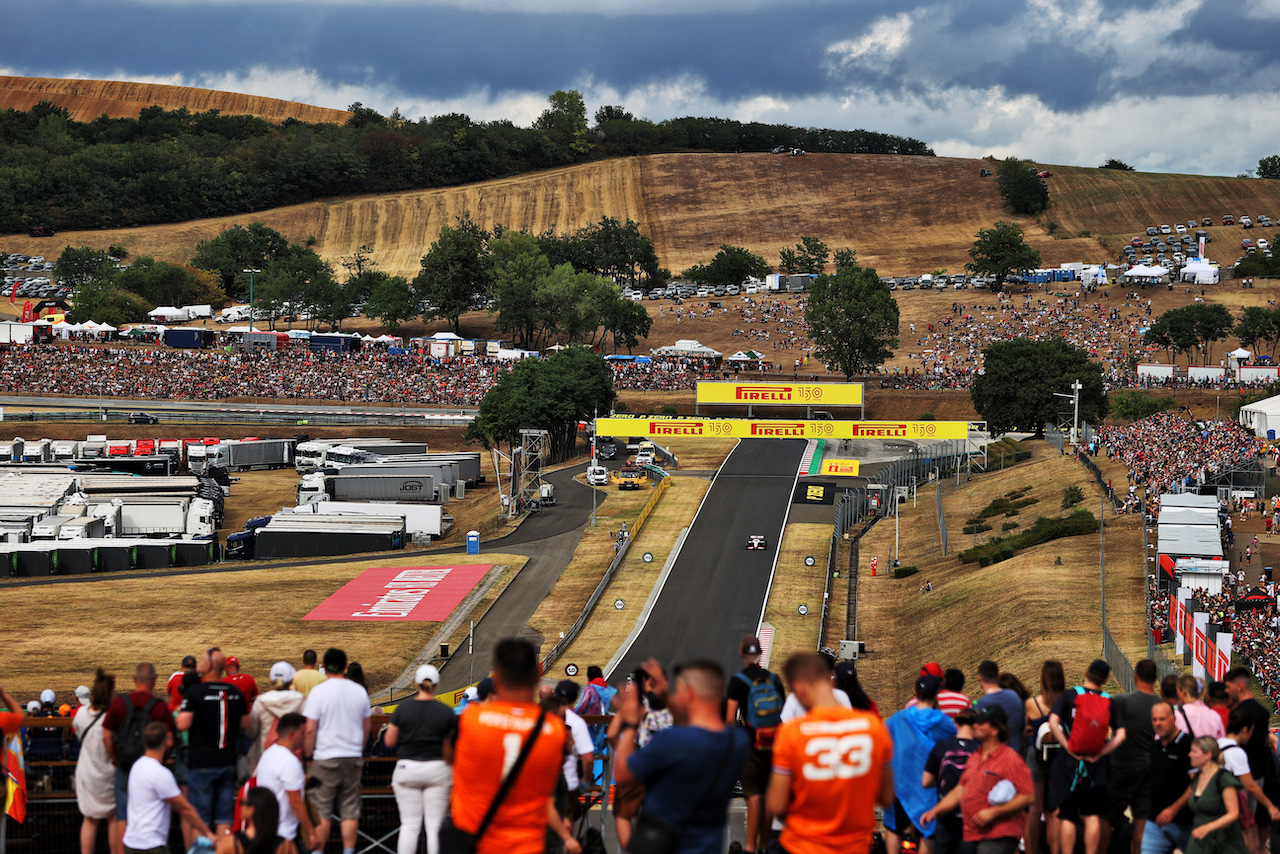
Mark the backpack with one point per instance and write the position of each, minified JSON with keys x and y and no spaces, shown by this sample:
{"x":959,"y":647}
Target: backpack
{"x":951,"y":766}
{"x":1091,"y":722}
{"x":129,"y":746}
{"x":763,"y":709}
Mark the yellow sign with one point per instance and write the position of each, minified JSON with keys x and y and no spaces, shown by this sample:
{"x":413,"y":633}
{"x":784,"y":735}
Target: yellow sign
{"x":781,"y":393}
{"x":663,"y":429}
{"x":840,"y":468}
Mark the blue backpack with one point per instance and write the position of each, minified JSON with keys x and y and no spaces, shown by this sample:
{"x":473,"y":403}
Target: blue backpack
{"x":763,"y":709}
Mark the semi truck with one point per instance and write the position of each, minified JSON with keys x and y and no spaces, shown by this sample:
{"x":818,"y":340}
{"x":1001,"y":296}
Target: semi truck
{"x":65,"y":451}
{"x":48,"y":527}
{"x":154,"y":464}
{"x":365,"y":451}
{"x":157,"y":516}
{"x":290,"y":535}
{"x":190,"y":337}
{"x":420,"y":520}
{"x":83,"y":527}
{"x":309,"y":456}
{"x":11,"y":451}
{"x":37,"y":451}
{"x":244,"y":455}
{"x":405,"y":488}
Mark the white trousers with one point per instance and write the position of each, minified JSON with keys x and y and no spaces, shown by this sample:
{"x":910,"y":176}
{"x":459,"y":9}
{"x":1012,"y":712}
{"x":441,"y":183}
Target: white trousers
{"x":422,"y":795}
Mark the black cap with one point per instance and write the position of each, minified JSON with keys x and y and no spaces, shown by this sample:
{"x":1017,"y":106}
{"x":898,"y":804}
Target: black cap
{"x":968,"y":714}
{"x":846,"y":671}
{"x":566,"y":691}
{"x":992,"y":714}
{"x":1099,"y":670}
{"x":484,"y":688}
{"x":927,"y":687}
{"x":188,"y":661}
{"x":750,"y":645}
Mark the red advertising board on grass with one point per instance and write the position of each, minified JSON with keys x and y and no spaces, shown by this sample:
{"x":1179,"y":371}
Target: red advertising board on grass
{"x":402,"y":593}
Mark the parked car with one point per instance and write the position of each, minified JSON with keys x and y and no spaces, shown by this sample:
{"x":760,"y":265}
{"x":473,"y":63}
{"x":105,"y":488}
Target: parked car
{"x":1164,"y":229}
{"x":1228,"y":219}
{"x":1246,"y":222}
{"x":1180,"y":228}
{"x":1204,"y":235}
{"x":1246,"y":243}
{"x":1044,"y":173}
{"x":597,"y":476}
{"x":1152,"y":231}
{"x":1191,"y":223}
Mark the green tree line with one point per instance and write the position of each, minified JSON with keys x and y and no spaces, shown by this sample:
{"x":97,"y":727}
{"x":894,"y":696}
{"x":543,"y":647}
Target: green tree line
{"x":175,"y":165}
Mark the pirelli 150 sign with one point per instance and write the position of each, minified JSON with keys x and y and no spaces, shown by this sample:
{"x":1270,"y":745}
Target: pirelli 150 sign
{"x":781,"y":393}
{"x":745,"y":428}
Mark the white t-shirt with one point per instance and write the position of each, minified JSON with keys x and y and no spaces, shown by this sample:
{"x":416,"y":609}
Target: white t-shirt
{"x":582,"y":745}
{"x":1234,"y":760}
{"x":339,"y":708}
{"x":792,"y":709}
{"x":150,"y":786}
{"x":281,"y":772}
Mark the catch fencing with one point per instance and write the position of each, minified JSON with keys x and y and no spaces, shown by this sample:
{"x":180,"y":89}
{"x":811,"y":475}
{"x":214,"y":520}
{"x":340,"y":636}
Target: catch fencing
{"x":609,"y":574}
{"x":263,"y":416}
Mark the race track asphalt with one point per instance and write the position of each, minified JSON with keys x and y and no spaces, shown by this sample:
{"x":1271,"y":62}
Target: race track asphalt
{"x":716,"y":589}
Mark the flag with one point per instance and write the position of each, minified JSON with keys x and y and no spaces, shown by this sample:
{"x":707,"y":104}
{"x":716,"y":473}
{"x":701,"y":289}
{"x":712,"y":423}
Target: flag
{"x":15,"y":775}
{"x":13,"y":292}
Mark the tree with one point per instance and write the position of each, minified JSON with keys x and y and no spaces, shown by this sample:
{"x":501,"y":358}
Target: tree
{"x":238,"y":249}
{"x":101,"y":301}
{"x":1197,"y":326}
{"x":1269,"y":167}
{"x":853,"y":319}
{"x":159,"y":282}
{"x":552,"y":394}
{"x":565,"y":121}
{"x":80,"y":265}
{"x":1257,"y":323}
{"x":627,"y":321}
{"x":808,"y":256}
{"x":1000,"y":250}
{"x":1016,"y":389}
{"x":1113,"y":163}
{"x":518,"y":266}
{"x":391,"y":300}
{"x":732,"y":265}
{"x":1022,"y":191}
{"x":455,"y":269}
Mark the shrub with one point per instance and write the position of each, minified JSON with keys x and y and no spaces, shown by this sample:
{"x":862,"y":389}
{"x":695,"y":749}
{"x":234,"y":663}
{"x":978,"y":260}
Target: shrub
{"x":118,"y":250}
{"x":1071,"y":496}
{"x":669,"y":410}
{"x":905,"y":571}
{"x":976,"y":529}
{"x":1009,"y":526}
{"x":983,"y":560}
{"x":620,"y":406}
{"x":928,"y":416}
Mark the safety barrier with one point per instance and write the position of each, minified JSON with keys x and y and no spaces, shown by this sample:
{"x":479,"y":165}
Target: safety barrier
{"x":609,"y":574}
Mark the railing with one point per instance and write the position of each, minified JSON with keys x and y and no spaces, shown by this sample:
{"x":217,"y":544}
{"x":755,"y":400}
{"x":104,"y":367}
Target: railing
{"x":609,"y":574}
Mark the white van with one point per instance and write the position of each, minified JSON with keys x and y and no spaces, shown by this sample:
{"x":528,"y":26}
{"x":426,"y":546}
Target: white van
{"x":597,"y":476}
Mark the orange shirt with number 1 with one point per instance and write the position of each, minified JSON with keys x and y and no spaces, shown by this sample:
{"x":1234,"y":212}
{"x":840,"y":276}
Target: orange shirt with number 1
{"x":835,"y":758}
{"x":490,"y":736}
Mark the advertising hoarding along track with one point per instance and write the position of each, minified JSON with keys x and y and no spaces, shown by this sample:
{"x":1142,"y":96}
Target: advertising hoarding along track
{"x":781,"y":393}
{"x":840,"y":468}
{"x":745,"y":428}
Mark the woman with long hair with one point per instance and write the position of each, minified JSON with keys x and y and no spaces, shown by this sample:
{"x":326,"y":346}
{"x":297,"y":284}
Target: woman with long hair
{"x":1053,"y":681}
{"x":95,"y":775}
{"x":261,"y":812}
{"x":421,"y":731}
{"x":1215,"y":803}
{"x":846,"y":680}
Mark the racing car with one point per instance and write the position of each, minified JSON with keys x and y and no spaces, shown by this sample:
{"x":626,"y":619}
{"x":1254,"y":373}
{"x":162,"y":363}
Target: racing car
{"x":756,"y":542}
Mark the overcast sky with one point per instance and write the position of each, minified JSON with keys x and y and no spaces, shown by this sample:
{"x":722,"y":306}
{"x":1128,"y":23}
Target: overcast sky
{"x":1165,"y":85}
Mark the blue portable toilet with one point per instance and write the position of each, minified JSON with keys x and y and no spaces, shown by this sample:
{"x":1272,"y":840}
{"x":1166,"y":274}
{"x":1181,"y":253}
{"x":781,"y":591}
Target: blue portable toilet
{"x":1271,"y":435}
{"x":473,"y":542}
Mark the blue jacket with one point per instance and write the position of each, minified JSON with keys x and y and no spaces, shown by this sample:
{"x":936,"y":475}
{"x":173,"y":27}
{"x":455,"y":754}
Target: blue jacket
{"x":915,"y":731}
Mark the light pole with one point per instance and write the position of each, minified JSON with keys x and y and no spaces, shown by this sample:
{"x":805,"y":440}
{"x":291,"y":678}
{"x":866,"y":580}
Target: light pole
{"x":251,"y":271}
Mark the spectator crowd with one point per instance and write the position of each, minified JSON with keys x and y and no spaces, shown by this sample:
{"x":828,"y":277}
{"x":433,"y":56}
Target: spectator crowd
{"x":986,"y":766}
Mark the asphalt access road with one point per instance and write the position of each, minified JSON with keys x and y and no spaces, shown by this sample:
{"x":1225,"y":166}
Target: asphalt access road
{"x":716,"y":589}
{"x":548,"y":538}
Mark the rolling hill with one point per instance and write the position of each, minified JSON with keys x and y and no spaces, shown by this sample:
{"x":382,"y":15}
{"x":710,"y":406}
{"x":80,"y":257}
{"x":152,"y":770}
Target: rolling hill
{"x":904,"y":215}
{"x":85,"y":100}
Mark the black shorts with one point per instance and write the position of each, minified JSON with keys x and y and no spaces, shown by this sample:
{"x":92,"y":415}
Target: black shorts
{"x":902,"y":820}
{"x":1131,"y":789}
{"x":1094,"y":800}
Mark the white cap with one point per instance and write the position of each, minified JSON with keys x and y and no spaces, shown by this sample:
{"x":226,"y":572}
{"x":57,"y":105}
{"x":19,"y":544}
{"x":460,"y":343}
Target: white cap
{"x":427,"y":673}
{"x":471,"y":694}
{"x":47,"y":696}
{"x":282,"y":671}
{"x":82,"y":694}
{"x":33,"y":706}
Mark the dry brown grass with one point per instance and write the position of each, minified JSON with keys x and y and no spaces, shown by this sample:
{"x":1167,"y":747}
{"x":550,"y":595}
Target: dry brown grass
{"x":608,"y":627}
{"x":795,"y":584}
{"x":57,"y":636}
{"x":594,"y":554}
{"x":86,"y":100}
{"x":1018,"y":612}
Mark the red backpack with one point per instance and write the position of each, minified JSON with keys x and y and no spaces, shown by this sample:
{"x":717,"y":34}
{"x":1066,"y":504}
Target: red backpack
{"x":1091,"y":722}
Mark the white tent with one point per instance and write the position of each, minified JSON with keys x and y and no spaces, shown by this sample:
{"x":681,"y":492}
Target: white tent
{"x":1199,"y":271}
{"x":386,"y":339}
{"x":1262,"y":417}
{"x":1142,"y":271}
{"x":446,"y":336}
{"x":106,"y":327}
{"x":688,"y":347}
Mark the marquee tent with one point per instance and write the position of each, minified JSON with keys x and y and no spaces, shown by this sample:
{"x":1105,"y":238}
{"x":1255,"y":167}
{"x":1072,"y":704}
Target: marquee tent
{"x":1199,"y":271}
{"x":688,"y":347}
{"x":1262,"y":417}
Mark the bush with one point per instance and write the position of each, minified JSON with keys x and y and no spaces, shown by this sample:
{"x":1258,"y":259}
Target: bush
{"x":1005,"y":506}
{"x":1071,"y":496}
{"x":928,"y":416}
{"x":620,"y":406}
{"x":976,"y":528}
{"x":118,"y":250}
{"x":669,"y":410}
{"x":983,"y":560}
{"x":1044,"y":530}
{"x":905,"y":571}
{"x":1009,"y":526}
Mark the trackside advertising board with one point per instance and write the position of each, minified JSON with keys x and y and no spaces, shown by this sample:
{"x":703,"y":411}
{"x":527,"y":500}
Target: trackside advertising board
{"x":840,"y":468}
{"x":395,"y":594}
{"x":781,"y":393}
{"x":745,"y":428}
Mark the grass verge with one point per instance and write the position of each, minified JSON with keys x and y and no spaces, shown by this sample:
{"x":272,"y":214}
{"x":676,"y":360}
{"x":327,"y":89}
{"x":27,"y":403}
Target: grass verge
{"x":795,"y":584}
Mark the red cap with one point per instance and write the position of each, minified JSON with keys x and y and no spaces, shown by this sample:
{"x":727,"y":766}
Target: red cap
{"x":232,"y":661}
{"x":933,"y":668}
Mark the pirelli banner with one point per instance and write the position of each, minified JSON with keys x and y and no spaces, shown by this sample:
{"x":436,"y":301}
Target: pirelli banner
{"x":781,"y":393}
{"x":747,"y":428}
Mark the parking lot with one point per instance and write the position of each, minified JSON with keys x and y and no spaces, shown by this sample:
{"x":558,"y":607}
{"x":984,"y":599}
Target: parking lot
{"x":28,"y":276}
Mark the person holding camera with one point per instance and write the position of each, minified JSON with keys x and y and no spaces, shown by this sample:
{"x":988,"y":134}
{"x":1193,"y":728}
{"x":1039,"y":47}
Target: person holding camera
{"x":657,"y":717}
